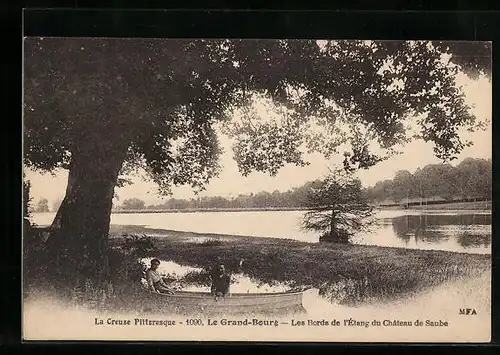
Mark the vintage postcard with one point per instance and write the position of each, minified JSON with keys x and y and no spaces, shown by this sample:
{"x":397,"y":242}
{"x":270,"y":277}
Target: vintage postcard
{"x":256,"y":190}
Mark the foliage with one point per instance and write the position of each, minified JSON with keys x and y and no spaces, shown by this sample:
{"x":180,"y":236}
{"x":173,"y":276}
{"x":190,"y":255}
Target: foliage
{"x":103,"y":107}
{"x":131,"y":251}
{"x":472,"y":178}
{"x":133,"y":204}
{"x":42,"y":205}
{"x":338,"y":208}
{"x":26,"y":197}
{"x":125,"y":265}
{"x":138,"y":246}
{"x":472,"y":61}
{"x":211,"y":242}
{"x":292,"y":198}
{"x":347,"y":274}
{"x":160,"y":99}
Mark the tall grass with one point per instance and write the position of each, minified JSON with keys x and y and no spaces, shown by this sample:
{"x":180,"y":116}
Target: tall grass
{"x":346,"y":274}
{"x":211,"y":242}
{"x":121,"y":285}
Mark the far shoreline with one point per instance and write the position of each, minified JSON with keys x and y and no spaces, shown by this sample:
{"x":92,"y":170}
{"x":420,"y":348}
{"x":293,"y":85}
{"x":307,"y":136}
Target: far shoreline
{"x":459,"y":206}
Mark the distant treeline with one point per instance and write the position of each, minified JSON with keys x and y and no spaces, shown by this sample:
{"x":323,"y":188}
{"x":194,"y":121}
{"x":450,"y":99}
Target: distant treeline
{"x":291,"y":199}
{"x":468,"y":181}
{"x":184,"y":210}
{"x":471,"y":179}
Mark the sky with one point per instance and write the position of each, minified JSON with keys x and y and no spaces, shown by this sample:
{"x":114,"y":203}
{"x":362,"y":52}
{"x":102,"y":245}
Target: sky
{"x":231,"y":183}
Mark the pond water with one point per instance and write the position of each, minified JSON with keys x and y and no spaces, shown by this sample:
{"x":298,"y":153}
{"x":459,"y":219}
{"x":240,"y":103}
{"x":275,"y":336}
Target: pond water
{"x":330,"y":297}
{"x":178,"y":276}
{"x":459,"y":231}
{"x":182,"y":276}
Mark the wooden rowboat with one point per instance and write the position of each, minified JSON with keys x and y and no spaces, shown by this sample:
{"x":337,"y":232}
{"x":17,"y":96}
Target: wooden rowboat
{"x":203,"y":303}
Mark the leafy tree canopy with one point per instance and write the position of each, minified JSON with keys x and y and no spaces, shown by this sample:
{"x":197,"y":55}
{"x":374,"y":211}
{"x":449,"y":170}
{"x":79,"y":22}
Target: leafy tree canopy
{"x":471,"y":178}
{"x":133,"y":204}
{"x":102,"y":107}
{"x":159,"y":100}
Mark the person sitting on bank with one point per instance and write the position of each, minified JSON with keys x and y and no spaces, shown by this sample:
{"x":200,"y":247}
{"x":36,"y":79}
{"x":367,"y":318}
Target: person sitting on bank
{"x":155,"y":280}
{"x":220,"y":281}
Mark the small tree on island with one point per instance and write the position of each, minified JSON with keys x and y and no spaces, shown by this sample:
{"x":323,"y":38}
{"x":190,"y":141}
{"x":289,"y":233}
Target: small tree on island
{"x":338,"y":208}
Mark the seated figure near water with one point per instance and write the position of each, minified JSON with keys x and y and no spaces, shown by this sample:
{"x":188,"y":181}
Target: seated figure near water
{"x":220,"y":281}
{"x":155,"y":280}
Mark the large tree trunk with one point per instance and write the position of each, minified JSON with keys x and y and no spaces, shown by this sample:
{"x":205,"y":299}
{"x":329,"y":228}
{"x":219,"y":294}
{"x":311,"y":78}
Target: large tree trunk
{"x":56,"y":223}
{"x":79,"y":239}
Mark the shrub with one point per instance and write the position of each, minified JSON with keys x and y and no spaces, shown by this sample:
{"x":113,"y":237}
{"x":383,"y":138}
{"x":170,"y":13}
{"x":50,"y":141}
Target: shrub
{"x":138,"y":246}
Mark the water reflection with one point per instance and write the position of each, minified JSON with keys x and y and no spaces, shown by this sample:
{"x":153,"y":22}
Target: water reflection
{"x":193,"y":279}
{"x":418,"y":227}
{"x":453,"y":230}
{"x":470,"y":240}
{"x":467,"y":230}
{"x":450,"y":219}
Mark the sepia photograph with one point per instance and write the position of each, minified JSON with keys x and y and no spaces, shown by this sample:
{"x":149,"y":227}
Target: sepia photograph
{"x":283,"y":190}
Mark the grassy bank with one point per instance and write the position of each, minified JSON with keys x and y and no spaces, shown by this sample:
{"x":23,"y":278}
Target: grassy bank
{"x":348,"y":274}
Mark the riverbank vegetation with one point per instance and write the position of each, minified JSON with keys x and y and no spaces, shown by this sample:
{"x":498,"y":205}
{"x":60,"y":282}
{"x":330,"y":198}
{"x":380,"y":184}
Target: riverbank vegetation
{"x":470,"y":179}
{"x":344,"y":273}
{"x":141,"y":112}
{"x":438,"y":183}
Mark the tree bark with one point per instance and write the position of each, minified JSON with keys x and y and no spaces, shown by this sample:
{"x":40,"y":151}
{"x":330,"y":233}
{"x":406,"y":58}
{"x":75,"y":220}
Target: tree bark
{"x":56,"y":223}
{"x":335,"y":235}
{"x":79,"y":239}
{"x":332,"y":222}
